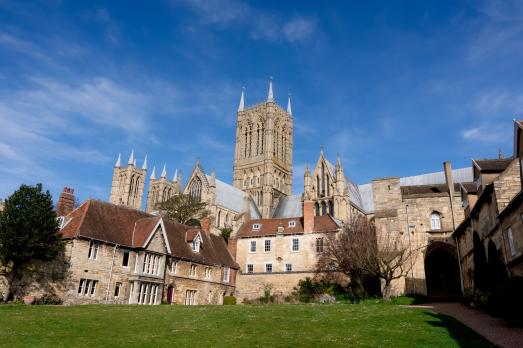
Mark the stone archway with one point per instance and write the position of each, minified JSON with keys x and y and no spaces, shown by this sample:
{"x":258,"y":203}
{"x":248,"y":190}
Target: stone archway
{"x":442,"y":271}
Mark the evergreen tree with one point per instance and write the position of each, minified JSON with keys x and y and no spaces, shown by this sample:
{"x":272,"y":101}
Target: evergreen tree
{"x":28,"y":230}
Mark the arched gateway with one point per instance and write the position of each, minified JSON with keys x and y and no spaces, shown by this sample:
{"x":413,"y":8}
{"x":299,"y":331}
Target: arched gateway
{"x":442,"y":271}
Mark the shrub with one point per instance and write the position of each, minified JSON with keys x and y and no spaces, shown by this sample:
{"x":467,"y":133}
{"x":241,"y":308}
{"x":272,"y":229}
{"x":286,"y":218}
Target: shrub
{"x":229,"y":300}
{"x":482,"y":299}
{"x":507,"y":300}
{"x":49,"y":300}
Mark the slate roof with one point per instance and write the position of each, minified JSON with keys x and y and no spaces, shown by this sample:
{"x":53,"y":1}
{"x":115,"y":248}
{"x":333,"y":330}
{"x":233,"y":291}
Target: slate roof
{"x":458,"y":175}
{"x":493,"y":165}
{"x":131,"y":228}
{"x":289,"y":206}
{"x":231,"y":198}
{"x":269,"y":227}
{"x":427,"y":189}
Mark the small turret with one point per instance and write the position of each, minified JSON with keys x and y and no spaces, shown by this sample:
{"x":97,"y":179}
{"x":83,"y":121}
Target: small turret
{"x":153,"y":174}
{"x":164,"y":171}
{"x":289,"y":108}
{"x":241,"y":106}
{"x":270,"y":96}
{"x":144,"y":165}
{"x":119,"y":161}
{"x":131,"y":158}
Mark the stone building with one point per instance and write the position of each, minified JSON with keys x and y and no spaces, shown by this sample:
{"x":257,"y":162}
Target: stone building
{"x":161,"y":189}
{"x":128,"y":183}
{"x":279,"y":252}
{"x":115,"y":254}
{"x":263,"y":152}
{"x":493,"y":227}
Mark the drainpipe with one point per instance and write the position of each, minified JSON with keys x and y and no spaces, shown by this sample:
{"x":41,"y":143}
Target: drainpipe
{"x":459,"y":264}
{"x":110,"y":274}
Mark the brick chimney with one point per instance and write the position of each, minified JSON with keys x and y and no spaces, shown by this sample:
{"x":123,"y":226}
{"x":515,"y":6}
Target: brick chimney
{"x":205,"y":225}
{"x":65,"y":203}
{"x":308,"y":216}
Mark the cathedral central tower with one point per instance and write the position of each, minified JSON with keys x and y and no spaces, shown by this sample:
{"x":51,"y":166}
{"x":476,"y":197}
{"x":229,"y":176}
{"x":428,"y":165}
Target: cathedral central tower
{"x":263,"y":152}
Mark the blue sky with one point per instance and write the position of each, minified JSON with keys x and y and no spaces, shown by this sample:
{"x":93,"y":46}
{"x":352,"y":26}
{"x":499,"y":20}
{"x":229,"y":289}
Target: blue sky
{"x":395,"y":88}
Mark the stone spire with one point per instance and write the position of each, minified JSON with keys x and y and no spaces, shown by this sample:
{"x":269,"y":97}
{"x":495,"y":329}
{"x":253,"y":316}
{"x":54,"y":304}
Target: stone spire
{"x":144,"y":165}
{"x":307,"y":170}
{"x":338,"y":161}
{"x":212,"y":181}
{"x":289,"y":109}
{"x":131,"y":158}
{"x":270,"y":97}
{"x":119,"y":161}
{"x":175,"y":176}
{"x":164,"y":171}
{"x":241,"y":107}
{"x":153,"y":173}
{"x":134,"y":162}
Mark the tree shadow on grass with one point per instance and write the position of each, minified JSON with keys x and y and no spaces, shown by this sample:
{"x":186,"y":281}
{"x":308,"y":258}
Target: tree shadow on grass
{"x":463,"y":335}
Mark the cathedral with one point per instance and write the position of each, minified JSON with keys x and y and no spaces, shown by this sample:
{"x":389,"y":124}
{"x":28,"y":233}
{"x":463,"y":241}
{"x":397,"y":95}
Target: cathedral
{"x":259,"y":205}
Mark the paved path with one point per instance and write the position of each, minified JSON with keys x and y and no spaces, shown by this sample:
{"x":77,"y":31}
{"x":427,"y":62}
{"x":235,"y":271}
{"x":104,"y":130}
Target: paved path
{"x":492,"y":328}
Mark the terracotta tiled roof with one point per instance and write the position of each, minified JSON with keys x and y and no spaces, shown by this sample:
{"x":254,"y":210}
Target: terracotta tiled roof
{"x":213,"y":249}
{"x":191,"y":234}
{"x":131,"y":228}
{"x":269,"y":227}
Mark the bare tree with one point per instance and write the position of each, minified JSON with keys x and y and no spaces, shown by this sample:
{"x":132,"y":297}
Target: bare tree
{"x":358,"y":250}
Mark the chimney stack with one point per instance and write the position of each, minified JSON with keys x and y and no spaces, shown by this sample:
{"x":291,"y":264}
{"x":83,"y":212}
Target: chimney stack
{"x":205,"y":225}
{"x":308,"y":216}
{"x":65,"y":203}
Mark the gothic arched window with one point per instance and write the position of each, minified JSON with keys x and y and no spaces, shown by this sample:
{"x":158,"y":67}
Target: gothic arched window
{"x":195,"y":189}
{"x":435,"y":221}
{"x":323,"y":208}
{"x":316,"y":209}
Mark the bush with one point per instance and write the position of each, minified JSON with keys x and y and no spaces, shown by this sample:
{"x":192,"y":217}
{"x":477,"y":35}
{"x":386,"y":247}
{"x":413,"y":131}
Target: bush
{"x":309,"y":290}
{"x":507,"y":300}
{"x":229,"y":300}
{"x":49,"y":300}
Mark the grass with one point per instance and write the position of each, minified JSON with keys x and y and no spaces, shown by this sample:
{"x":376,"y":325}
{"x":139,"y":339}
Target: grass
{"x":362,"y":325}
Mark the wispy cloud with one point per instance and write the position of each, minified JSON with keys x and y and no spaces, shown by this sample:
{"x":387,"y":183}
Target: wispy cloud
{"x":262,"y":24}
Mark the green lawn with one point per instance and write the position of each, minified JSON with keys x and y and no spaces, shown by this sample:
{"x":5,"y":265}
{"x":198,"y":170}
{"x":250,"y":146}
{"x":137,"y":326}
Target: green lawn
{"x":363,"y":325}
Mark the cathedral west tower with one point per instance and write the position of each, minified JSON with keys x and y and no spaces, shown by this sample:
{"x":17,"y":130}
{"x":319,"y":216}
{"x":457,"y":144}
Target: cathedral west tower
{"x":263,"y":152}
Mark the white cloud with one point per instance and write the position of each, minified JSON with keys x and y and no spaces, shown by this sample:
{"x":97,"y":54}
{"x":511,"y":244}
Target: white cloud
{"x":262,"y":24}
{"x":488,"y":133}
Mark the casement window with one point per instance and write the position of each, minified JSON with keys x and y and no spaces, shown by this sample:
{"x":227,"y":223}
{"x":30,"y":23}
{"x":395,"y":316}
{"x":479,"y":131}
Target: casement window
{"x":148,"y":294}
{"x":256,"y":226}
{"x":288,"y":267}
{"x":207,"y":272}
{"x":292,"y":223}
{"x":151,"y":264}
{"x":125,"y":259}
{"x":252,"y":246}
{"x":117,"y":289}
{"x":267,"y":246}
{"x":174,"y":266}
{"x":196,"y":245}
{"x":190,"y":297}
{"x":319,"y":245}
{"x":192,"y":271}
{"x":295,"y":244}
{"x":511,"y":242}
{"x":268,"y":267}
{"x":61,"y":221}
{"x":250,"y":268}
{"x":87,"y":287}
{"x":226,"y":274}
{"x":94,"y":247}
{"x":435,"y":221}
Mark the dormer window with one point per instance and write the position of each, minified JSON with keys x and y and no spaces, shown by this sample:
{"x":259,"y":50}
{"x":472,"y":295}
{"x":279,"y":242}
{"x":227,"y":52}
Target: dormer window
{"x":196,"y":245}
{"x":61,"y":221}
{"x":292,"y":223}
{"x":256,"y":226}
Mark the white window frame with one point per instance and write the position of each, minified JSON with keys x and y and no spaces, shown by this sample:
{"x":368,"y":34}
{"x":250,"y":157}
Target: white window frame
{"x":196,"y":245}
{"x":117,"y":290}
{"x":435,"y":223}
{"x":267,"y":264}
{"x":251,"y":244}
{"x":297,"y":240}
{"x":319,"y":245}
{"x":226,"y":274}
{"x":265,"y":241}
{"x":61,"y":221}
{"x":292,"y":223}
{"x":287,"y":267}
{"x":247,"y":268}
{"x":94,"y":248}
{"x":256,"y":226}
{"x":511,"y":242}
{"x":128,"y":258}
{"x":192,"y":271}
{"x":174,"y":266}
